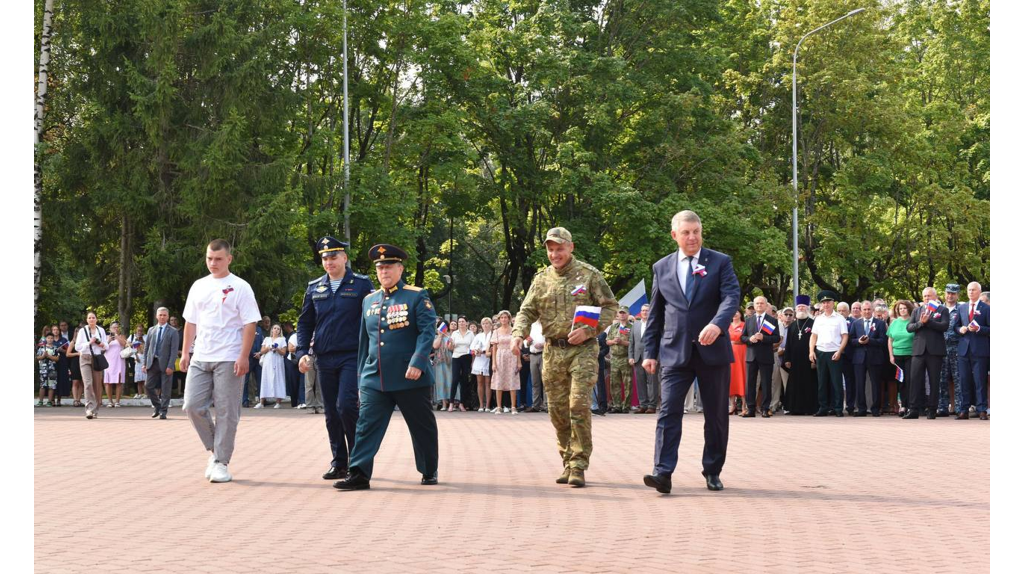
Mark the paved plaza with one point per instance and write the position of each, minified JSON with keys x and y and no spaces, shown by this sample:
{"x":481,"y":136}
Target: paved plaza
{"x":801,"y":494}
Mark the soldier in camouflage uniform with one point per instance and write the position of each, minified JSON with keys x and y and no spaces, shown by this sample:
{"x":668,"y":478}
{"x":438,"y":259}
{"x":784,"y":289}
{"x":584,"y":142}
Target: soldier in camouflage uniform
{"x":949,"y":362}
{"x":570,"y":354}
{"x":621,"y":371}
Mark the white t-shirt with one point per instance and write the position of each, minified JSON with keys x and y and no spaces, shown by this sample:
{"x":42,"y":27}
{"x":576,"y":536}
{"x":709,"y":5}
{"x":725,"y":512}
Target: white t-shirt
{"x":219,"y":308}
{"x":830,"y":330}
{"x":293,"y":340}
{"x":462,"y":343}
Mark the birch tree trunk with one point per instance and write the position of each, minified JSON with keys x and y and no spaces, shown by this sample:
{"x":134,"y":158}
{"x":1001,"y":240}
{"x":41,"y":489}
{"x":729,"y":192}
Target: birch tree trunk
{"x":37,"y":221}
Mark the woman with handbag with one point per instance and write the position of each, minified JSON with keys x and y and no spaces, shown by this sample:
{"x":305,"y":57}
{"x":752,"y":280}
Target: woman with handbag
{"x":91,"y":344}
{"x":113,"y":376}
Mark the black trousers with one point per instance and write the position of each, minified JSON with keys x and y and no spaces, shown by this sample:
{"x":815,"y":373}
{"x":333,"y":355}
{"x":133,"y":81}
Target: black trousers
{"x":765,"y":370}
{"x":830,"y":382}
{"x":933,"y":365}
{"x":863,"y":375}
{"x":461,"y":368}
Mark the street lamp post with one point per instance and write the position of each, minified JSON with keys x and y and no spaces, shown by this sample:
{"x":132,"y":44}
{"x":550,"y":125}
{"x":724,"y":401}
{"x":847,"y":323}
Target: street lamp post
{"x":344,"y":97}
{"x":796,"y":185}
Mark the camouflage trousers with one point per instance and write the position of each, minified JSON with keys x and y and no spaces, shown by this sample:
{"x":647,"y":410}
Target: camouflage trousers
{"x":569,"y":377}
{"x":949,"y":369}
{"x":622,"y":384}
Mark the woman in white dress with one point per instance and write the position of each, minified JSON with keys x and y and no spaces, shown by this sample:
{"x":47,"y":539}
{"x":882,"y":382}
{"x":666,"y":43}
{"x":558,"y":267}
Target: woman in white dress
{"x":138,"y":342}
{"x":480,"y":348}
{"x":272,"y":383}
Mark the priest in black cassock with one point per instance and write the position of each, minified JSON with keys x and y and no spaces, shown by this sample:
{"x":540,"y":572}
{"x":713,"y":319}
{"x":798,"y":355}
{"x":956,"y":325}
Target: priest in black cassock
{"x":802,"y":390}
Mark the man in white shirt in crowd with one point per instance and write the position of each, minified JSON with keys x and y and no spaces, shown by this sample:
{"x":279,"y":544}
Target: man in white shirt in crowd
{"x":828,"y":339}
{"x":220,"y":320}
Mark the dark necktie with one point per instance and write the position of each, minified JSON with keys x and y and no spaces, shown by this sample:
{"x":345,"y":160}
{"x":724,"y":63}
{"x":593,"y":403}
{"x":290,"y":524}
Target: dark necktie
{"x":159,"y":336}
{"x":689,"y":280}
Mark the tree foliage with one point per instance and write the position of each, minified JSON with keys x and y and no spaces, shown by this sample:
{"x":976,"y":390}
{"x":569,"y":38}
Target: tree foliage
{"x":477,"y":125}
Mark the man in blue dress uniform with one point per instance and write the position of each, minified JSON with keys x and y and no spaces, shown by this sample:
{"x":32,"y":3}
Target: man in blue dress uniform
{"x":395,"y":339}
{"x":329,"y":325}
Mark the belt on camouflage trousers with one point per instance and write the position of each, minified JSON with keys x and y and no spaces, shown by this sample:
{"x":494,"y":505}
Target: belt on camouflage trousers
{"x":565,"y":344}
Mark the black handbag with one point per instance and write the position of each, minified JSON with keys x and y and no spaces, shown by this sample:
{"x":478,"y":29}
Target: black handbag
{"x":99,"y":362}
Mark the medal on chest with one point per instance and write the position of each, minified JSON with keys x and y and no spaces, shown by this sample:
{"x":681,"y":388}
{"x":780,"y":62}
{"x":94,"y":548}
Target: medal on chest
{"x":397,"y":316}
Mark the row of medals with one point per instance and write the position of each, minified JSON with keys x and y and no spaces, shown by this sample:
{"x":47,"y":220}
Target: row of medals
{"x":397,"y":316}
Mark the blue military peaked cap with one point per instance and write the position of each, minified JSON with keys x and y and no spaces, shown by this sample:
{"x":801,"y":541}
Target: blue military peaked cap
{"x":328,"y":244}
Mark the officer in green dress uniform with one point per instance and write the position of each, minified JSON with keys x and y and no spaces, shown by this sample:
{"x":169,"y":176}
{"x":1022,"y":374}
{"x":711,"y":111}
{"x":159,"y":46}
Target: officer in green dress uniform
{"x":395,"y":339}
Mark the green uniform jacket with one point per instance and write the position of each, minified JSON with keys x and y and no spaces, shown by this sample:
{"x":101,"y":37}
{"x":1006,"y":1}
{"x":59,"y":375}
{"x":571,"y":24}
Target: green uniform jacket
{"x":397,"y":333}
{"x":551,"y":300}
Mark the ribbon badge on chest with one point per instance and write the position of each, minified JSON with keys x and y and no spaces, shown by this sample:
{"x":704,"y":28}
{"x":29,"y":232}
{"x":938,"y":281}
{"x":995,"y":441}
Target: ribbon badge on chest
{"x":225,"y":292}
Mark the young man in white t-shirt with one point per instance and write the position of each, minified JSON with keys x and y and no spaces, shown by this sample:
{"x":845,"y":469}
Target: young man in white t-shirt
{"x":220,"y":319}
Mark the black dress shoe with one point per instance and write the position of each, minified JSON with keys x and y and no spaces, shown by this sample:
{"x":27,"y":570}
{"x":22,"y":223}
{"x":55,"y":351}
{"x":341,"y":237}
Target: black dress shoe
{"x":912,"y":414}
{"x":839,"y":413}
{"x":961,"y":416}
{"x":660,"y":482}
{"x":860,"y":414}
{"x":983,"y":415}
{"x":748,"y":415}
{"x":931,"y":415}
{"x":942,"y":414}
{"x":821,"y":414}
{"x":335,"y":473}
{"x":429,"y":480}
{"x":154,"y":415}
{"x":876,"y":414}
{"x":355,"y":481}
{"x":163,"y":416}
{"x":713,"y":482}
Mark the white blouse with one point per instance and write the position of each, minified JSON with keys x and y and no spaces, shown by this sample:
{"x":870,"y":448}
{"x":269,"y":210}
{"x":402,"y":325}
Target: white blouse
{"x":82,"y":341}
{"x":462,"y":343}
{"x":481,"y":342}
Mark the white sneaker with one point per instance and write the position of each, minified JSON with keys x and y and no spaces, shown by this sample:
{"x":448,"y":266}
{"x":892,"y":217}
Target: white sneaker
{"x":504,"y":410}
{"x":258,"y":406}
{"x":209,"y":466}
{"x":480,"y":410}
{"x":277,"y":405}
{"x":302,"y":406}
{"x":220,"y":473}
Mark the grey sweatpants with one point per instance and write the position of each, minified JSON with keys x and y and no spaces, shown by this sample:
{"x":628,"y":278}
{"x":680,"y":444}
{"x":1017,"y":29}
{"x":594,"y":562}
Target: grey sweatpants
{"x":313,"y":398}
{"x":214,"y":384}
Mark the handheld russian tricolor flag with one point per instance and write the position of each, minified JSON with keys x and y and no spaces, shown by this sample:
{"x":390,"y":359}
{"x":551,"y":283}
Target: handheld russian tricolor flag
{"x":933,"y":305}
{"x":974,"y":324}
{"x":623,"y":330}
{"x":899,"y":374}
{"x":768,"y":327}
{"x":586,"y":315}
{"x":442,"y":328}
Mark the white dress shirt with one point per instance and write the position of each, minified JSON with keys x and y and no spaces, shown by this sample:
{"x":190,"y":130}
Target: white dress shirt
{"x":682,"y":269}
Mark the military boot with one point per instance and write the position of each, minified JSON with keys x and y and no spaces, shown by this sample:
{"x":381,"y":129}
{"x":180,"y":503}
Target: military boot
{"x":576,"y":478}
{"x":564,"y":478}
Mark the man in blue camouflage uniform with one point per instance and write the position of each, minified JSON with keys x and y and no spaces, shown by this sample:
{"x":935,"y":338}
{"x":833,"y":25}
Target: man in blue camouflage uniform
{"x":949,"y":363}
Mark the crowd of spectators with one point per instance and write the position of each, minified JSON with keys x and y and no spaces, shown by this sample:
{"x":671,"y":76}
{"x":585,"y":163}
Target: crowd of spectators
{"x":883,"y":356}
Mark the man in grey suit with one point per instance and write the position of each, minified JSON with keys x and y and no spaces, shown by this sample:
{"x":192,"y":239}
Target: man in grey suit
{"x":162,"y":347}
{"x":648,"y":387}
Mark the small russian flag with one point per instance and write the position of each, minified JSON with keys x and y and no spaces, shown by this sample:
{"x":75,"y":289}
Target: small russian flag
{"x":768,"y":327}
{"x":623,"y":330}
{"x":442,"y":328}
{"x":899,"y":374}
{"x":581,"y":288}
{"x":586,"y":315}
{"x":933,"y":305}
{"x":974,"y":324}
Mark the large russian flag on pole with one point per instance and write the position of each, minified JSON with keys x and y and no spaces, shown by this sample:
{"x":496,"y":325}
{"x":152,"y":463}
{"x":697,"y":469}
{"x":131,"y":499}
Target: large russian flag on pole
{"x":586,"y":315}
{"x":635,"y":299}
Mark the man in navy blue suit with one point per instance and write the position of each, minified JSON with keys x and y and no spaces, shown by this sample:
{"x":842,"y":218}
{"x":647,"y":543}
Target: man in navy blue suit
{"x":973,"y":352}
{"x":867,"y":342}
{"x":693,"y":298}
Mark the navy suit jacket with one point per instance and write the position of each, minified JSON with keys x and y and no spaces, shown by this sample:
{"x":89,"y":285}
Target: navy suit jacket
{"x":674,"y":325}
{"x":974,"y":344}
{"x":871,"y":352}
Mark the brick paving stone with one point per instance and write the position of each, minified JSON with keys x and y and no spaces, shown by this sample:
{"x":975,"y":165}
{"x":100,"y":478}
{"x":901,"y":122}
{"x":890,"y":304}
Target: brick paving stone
{"x":815,"y":495}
